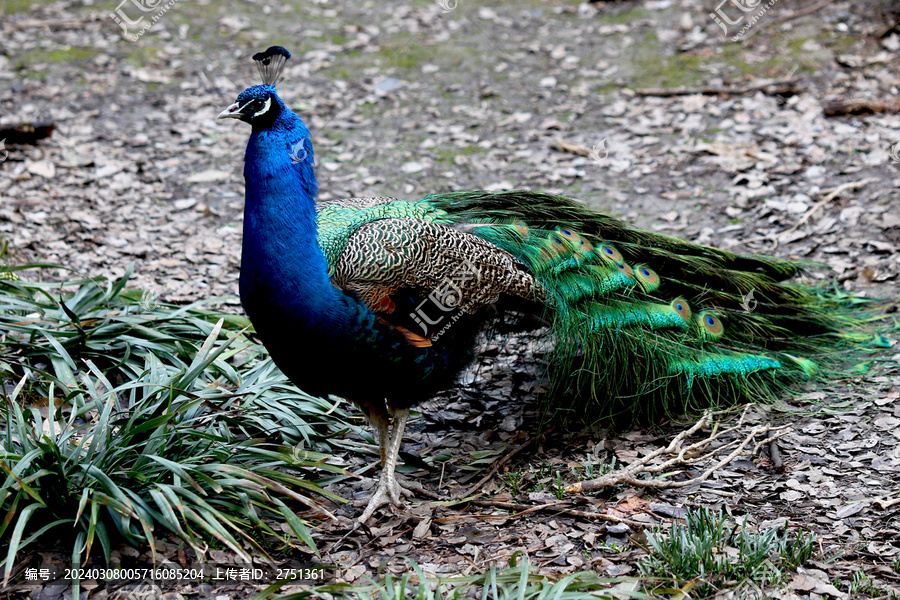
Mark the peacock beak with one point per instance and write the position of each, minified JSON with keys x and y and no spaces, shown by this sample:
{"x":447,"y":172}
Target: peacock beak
{"x":233,"y":112}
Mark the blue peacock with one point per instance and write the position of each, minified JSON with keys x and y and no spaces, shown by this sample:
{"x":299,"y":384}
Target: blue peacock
{"x":381,"y":301}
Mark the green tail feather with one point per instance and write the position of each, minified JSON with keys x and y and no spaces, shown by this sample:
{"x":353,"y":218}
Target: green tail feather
{"x":645,"y":323}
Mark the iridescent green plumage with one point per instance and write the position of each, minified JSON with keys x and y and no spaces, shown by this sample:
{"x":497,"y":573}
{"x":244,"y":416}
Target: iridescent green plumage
{"x":339,"y":220}
{"x":641,"y":322}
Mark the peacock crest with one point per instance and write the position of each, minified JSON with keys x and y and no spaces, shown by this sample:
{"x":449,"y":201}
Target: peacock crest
{"x":270,"y":64}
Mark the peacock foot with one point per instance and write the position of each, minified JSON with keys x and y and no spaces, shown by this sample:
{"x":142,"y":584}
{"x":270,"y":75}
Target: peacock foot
{"x":388,"y":491}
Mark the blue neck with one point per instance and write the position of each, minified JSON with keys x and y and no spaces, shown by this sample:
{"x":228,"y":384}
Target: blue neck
{"x":282,"y":266}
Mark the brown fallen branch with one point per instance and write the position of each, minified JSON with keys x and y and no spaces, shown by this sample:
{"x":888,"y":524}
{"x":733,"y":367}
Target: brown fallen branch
{"x":684,"y":456}
{"x":829,"y":195}
{"x":53,"y":23}
{"x":832,"y":193}
{"x":886,"y":504}
{"x":523,"y":509}
{"x":840,"y":108}
{"x":775,"y":455}
{"x":772,"y":87}
{"x":851,"y":61}
{"x":570,"y":147}
{"x":26,"y":133}
{"x":561,"y":507}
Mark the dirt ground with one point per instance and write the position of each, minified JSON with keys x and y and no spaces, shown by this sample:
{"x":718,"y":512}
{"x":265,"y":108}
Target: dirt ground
{"x":644,"y":109}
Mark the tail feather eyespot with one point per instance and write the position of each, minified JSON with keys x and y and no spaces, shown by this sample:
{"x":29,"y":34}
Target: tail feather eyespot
{"x":555,"y":246}
{"x":569,"y":235}
{"x":681,"y":306}
{"x":550,"y":252}
{"x":521,"y":229}
{"x":647,"y":278}
{"x":580,"y":245}
{"x":611,"y":253}
{"x":624,"y":268}
{"x":710,"y":325}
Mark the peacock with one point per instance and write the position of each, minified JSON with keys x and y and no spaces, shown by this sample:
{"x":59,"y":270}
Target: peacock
{"x":381,"y":301}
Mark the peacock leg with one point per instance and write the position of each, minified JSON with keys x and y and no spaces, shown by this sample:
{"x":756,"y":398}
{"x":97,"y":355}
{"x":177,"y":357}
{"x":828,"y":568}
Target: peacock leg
{"x":383,"y":432}
{"x":400,"y":417}
{"x":388,"y":491}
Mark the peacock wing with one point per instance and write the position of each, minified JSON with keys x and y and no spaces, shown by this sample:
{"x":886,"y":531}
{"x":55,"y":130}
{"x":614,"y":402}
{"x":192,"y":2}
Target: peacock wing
{"x":417,"y":275}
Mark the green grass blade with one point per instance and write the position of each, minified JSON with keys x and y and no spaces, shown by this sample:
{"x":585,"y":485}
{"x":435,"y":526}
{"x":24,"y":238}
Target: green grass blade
{"x":298,"y":528}
{"x":16,"y":538}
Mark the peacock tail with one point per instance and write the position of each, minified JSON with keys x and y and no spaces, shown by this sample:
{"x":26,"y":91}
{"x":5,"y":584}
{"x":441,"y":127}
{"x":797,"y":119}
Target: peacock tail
{"x":641,"y":323}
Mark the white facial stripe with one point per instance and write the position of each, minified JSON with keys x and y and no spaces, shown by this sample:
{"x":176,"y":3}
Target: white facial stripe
{"x":265,"y":107}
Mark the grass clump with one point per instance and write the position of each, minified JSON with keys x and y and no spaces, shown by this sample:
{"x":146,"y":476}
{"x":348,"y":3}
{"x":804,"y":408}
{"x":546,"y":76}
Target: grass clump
{"x":707,"y":554}
{"x":547,"y":478}
{"x":126,"y":420}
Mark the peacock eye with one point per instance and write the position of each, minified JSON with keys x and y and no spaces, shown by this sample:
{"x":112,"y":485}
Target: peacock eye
{"x":260,"y":106}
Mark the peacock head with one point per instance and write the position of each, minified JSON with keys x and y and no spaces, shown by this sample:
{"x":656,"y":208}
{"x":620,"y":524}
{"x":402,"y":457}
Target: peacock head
{"x":260,"y":105}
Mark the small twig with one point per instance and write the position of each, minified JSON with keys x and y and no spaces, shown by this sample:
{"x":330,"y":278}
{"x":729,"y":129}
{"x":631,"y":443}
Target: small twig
{"x":737,"y":452}
{"x":687,"y":455}
{"x":772,"y":87}
{"x":886,"y":504}
{"x":775,"y":454}
{"x":771,"y":438}
{"x":638,"y":465}
{"x":840,"y":108}
{"x":830,"y":195}
{"x":602,"y":517}
{"x":53,"y":23}
{"x":857,"y":62}
{"x":524,"y":509}
{"x":570,"y":147}
{"x":722,"y":493}
{"x":495,"y":466}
